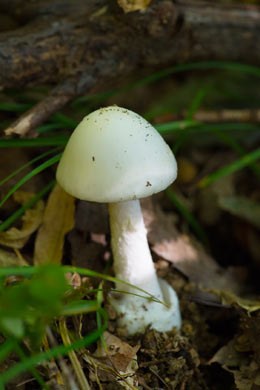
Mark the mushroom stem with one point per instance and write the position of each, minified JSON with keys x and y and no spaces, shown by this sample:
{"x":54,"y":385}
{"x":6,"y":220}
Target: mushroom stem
{"x":132,"y":258}
{"x":133,"y":263}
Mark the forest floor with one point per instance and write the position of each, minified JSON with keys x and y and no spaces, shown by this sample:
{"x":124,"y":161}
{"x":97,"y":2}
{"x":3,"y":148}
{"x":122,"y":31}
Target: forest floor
{"x":203,"y":233}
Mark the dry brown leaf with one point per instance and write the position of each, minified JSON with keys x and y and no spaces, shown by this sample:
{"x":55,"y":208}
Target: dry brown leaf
{"x":122,"y":357}
{"x":9,"y":259}
{"x":185,"y":253}
{"x":230,"y":299}
{"x":31,"y":220}
{"x":241,"y":365}
{"x":57,"y":221}
{"x":133,"y":5}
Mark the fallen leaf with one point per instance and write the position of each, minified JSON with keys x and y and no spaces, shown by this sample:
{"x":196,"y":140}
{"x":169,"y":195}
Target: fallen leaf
{"x":57,"y":221}
{"x":242,"y":207}
{"x":187,"y":255}
{"x":9,"y":259}
{"x":231,"y":299}
{"x":133,"y":5}
{"x":31,"y":220}
{"x":122,"y":357}
{"x":207,"y":201}
{"x":243,"y":367}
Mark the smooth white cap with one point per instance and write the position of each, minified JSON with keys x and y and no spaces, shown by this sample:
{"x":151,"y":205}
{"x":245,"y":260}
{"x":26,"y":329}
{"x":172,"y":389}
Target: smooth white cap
{"x":114,"y":155}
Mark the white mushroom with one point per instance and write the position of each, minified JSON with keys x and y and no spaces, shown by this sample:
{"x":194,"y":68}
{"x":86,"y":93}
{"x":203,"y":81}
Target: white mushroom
{"x":116,"y":156}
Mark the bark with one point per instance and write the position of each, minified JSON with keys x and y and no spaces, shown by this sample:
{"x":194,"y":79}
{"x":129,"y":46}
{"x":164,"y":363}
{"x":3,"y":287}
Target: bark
{"x":78,"y":45}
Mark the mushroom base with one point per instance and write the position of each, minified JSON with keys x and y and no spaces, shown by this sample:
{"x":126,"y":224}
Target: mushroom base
{"x":135,"y":314}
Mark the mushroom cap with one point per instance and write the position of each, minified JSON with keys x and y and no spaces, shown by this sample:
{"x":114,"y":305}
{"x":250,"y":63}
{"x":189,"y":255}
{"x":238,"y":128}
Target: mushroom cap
{"x":114,"y":155}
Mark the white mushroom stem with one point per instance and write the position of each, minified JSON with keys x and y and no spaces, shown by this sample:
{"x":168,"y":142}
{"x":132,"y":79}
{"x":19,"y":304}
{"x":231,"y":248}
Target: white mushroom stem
{"x":132,"y":258}
{"x":133,"y":263}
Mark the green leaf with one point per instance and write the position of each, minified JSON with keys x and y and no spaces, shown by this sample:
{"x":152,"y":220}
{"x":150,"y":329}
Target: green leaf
{"x":12,"y":326}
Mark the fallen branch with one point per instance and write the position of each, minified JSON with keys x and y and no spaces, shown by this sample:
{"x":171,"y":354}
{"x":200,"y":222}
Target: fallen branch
{"x":93,"y":41}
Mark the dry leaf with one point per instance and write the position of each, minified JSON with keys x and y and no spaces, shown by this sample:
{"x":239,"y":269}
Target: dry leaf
{"x":230,"y":299}
{"x":133,"y":5}
{"x":185,"y":253}
{"x":9,"y":259}
{"x":57,"y":221}
{"x":122,"y":357}
{"x":31,"y":220}
{"x":242,"y":207}
{"x":244,"y":368}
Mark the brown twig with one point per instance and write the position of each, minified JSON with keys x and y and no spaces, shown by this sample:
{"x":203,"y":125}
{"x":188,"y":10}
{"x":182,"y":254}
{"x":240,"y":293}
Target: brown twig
{"x":39,"y":113}
{"x":216,"y":116}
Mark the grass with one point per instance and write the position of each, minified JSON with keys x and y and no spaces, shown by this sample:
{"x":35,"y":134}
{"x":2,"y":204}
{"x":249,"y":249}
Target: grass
{"x":55,"y":134}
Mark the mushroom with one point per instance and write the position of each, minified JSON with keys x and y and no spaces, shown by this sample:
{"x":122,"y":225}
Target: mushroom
{"x":115,"y":156}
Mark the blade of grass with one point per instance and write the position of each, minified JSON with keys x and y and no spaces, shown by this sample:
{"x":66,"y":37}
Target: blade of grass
{"x":64,"y":120}
{"x":79,"y":307}
{"x":176,"y":126}
{"x":234,"y":66}
{"x":228,"y":140}
{"x":196,"y":102}
{"x":100,"y":298}
{"x":41,"y":156}
{"x":31,"y":174}
{"x":197,"y":127}
{"x":17,"y":214}
{"x":33,"y":371}
{"x":82,"y":380}
{"x":60,"y":140}
{"x":193,"y":108}
{"x":29,"y":271}
{"x":243,"y":162}
{"x":192,"y":221}
{"x":7,"y":348}
{"x":32,"y":361}
{"x":49,"y":127}
{"x":14,"y":107}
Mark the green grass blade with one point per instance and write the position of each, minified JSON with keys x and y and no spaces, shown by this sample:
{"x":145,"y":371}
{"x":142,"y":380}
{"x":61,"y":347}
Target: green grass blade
{"x":9,"y":221}
{"x":41,"y":156}
{"x":60,"y":140}
{"x":33,"y":371}
{"x":7,"y":348}
{"x":49,"y":127}
{"x":234,"y":66}
{"x":196,"y":102}
{"x":99,"y":97}
{"x":243,"y":162}
{"x":32,"y":361}
{"x":78,"y":307}
{"x":29,"y":271}
{"x":31,"y":174}
{"x":14,"y":107}
{"x":192,"y":221}
{"x":176,"y":126}
{"x":229,"y":127}
{"x":64,"y":120}
{"x":228,"y":140}
{"x":193,"y":108}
